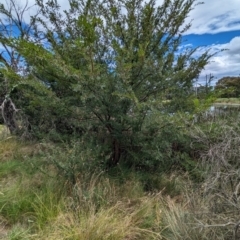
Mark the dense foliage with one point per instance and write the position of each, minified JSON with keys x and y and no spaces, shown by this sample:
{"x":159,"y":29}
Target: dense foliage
{"x":109,"y":72}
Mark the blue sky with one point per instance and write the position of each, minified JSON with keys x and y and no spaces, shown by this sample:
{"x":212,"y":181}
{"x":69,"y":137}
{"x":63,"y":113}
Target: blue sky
{"x":215,"y":25}
{"x":209,"y":39}
{"x":226,"y":63}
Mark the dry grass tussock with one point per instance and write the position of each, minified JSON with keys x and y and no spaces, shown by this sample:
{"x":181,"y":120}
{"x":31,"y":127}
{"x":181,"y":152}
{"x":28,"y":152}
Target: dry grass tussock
{"x":120,"y":221}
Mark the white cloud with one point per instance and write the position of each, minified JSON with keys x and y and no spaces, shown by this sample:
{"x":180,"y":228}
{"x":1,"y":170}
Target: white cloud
{"x":215,"y":16}
{"x":31,"y":6}
{"x":225,"y":63}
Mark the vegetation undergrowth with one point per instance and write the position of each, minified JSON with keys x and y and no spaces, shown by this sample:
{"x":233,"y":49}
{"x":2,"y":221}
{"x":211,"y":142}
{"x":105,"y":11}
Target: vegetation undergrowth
{"x":39,"y":200}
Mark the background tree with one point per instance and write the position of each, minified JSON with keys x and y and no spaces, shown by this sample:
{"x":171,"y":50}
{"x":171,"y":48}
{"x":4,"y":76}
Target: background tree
{"x":114,"y":73}
{"x":228,"y":87}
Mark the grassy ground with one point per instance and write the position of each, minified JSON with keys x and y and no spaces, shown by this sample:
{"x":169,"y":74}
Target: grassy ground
{"x":228,"y":101}
{"x":37,"y":203}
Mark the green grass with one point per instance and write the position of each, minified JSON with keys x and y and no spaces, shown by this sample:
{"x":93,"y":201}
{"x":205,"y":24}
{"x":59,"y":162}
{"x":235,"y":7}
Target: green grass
{"x":37,"y":203}
{"x":38,"y":206}
{"x":18,"y":233}
{"x":8,"y":167}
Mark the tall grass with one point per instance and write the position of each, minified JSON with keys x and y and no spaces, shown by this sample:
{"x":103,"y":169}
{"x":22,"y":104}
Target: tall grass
{"x":38,"y":202}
